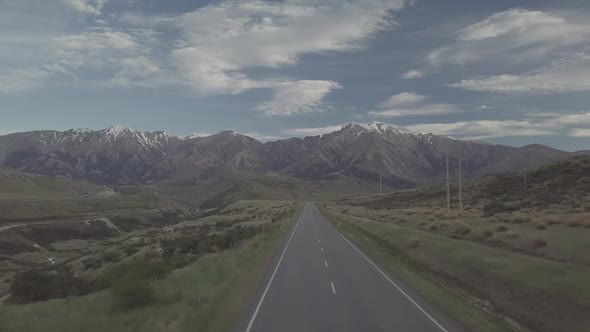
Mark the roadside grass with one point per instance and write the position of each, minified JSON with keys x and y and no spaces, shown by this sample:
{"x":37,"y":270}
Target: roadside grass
{"x":566,"y":234}
{"x":204,"y":296}
{"x":485,"y":287}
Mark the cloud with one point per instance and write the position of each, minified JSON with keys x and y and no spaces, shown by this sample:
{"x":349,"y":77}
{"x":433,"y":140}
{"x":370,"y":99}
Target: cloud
{"x":96,"y":39}
{"x":580,"y":133}
{"x":401,"y":99}
{"x":532,"y":125}
{"x":412,"y":104}
{"x":298,"y":97}
{"x":413,"y":74}
{"x":562,"y":76}
{"x":93,"y":7}
{"x":515,"y":35}
{"x":482,"y":129}
{"x":223,"y":39}
{"x":313,"y":131}
{"x":18,"y":80}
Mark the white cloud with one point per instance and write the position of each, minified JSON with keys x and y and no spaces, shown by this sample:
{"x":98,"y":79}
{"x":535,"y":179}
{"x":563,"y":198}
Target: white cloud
{"x":580,"y":133}
{"x":413,"y":74}
{"x":562,"y":76}
{"x":401,"y":99}
{"x":298,"y":97}
{"x":412,"y":104}
{"x":96,"y":39}
{"x":224,"y":38}
{"x":18,"y":80}
{"x":532,"y":125}
{"x":482,"y":129}
{"x":515,"y":35}
{"x":135,"y":72}
{"x":93,"y":7}
{"x":313,"y":131}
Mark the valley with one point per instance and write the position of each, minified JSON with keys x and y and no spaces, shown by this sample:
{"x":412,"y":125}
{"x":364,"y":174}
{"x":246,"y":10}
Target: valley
{"x":85,"y":251}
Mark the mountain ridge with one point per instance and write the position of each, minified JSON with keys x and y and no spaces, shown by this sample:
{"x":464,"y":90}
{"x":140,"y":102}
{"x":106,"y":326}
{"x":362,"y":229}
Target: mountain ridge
{"x":120,"y":155}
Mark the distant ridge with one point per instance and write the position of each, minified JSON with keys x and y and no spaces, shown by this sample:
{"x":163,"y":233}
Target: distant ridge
{"x":121,"y":155}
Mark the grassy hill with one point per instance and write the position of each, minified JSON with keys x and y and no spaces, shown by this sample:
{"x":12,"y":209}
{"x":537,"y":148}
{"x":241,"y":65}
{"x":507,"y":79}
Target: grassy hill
{"x":517,"y":257}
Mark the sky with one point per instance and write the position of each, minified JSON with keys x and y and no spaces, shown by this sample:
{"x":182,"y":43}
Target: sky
{"x":507,"y":72}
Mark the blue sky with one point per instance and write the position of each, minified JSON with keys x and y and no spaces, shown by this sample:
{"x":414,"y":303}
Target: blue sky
{"x":510,"y":72}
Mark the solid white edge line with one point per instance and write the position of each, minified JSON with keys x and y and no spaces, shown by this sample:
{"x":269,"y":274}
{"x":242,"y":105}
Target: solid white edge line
{"x":333,"y":289}
{"x":396,"y":286}
{"x":273,"y":275}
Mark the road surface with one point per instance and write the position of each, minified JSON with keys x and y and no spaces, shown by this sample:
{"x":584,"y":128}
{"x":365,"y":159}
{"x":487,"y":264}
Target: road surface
{"x":322,"y":282}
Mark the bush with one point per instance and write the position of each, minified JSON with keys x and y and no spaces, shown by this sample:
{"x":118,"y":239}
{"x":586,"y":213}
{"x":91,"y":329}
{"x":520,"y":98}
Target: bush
{"x":488,"y":233}
{"x":91,"y":263}
{"x":540,"y":226}
{"x":538,"y":242}
{"x":413,"y":242}
{"x":512,"y":235}
{"x":112,"y":255}
{"x":129,"y":293}
{"x":502,"y":228}
{"x":35,"y":285}
{"x":462,"y":229}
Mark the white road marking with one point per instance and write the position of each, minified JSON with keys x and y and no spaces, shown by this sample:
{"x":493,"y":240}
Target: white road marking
{"x":322,"y":249}
{"x":333,"y":289}
{"x":272,"y":277}
{"x":51,"y":260}
{"x":319,"y":241}
{"x":396,"y":286}
{"x":325,"y":263}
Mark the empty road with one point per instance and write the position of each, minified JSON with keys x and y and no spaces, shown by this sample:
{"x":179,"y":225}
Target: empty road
{"x":321,"y":282}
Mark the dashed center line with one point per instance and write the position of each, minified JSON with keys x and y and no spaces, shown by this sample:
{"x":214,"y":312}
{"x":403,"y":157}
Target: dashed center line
{"x":333,"y":289}
{"x":326,"y":263}
{"x":322,"y":249}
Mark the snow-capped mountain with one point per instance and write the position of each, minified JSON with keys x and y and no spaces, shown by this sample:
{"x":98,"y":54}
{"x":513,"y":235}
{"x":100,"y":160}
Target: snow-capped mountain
{"x":124,"y":155}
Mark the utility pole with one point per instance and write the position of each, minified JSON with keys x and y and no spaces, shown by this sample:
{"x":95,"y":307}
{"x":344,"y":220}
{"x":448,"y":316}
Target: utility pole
{"x":448,"y":186}
{"x":460,"y":187}
{"x":380,"y":190}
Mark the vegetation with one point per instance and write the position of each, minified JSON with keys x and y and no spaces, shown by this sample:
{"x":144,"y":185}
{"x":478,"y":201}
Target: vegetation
{"x":175,"y":291}
{"x":508,"y":264}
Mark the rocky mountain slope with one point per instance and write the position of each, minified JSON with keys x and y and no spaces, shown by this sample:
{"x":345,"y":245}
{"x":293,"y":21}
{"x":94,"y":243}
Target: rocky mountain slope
{"x":120,"y":155}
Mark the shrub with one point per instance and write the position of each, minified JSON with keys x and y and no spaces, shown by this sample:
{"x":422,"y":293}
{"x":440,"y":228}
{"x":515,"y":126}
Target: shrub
{"x":538,"y":242}
{"x":540,"y":226}
{"x":462,"y":229}
{"x":91,"y":263}
{"x":488,"y":233}
{"x":35,"y":285}
{"x":129,"y":293}
{"x":112,"y":255}
{"x":512,"y":235}
{"x":131,"y":249}
{"x":413,"y":242}
{"x":502,"y":228}
{"x":575,"y":223}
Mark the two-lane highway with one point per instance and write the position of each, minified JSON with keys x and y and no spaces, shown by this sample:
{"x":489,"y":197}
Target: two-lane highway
{"x":322,"y":282}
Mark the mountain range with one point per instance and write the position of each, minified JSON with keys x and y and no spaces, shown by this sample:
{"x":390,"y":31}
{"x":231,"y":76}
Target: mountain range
{"x":120,"y":155}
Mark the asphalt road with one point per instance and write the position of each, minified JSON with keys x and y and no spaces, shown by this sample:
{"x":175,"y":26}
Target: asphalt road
{"x":321,"y":282}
